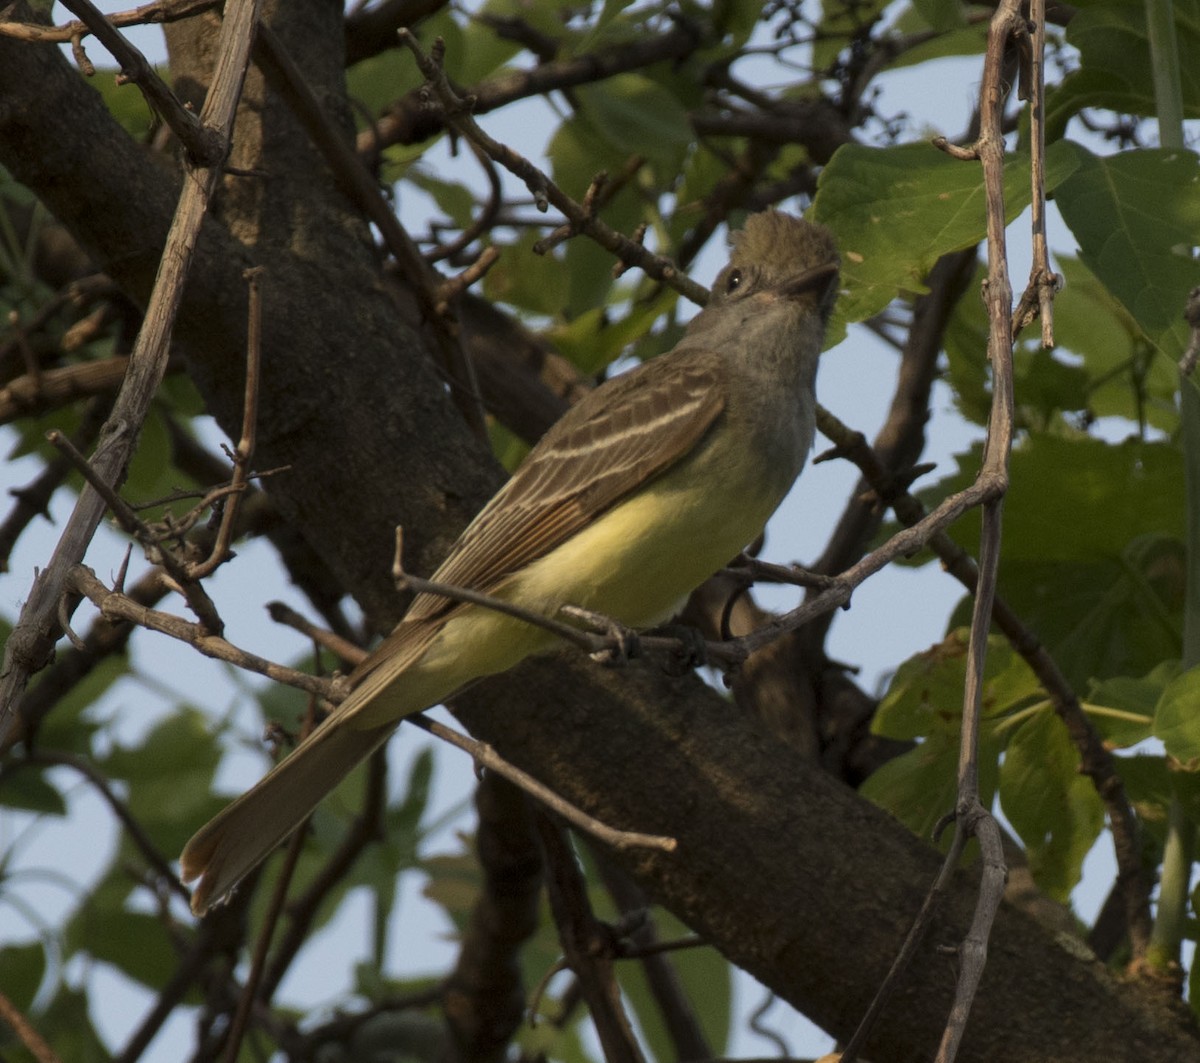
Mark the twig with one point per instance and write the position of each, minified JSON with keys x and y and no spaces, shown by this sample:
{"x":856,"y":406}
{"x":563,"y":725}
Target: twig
{"x":1044,"y":283}
{"x":586,"y":944}
{"x":303,"y":909}
{"x":971,"y":818}
{"x":483,"y":998}
{"x":140,"y":839}
{"x":481,"y":224}
{"x":195,"y":595}
{"x":205,"y":145}
{"x":347,"y":651}
{"x":1095,"y":759}
{"x":23,"y":1028}
{"x":485,"y":756}
{"x":32,"y":640}
{"x":545,"y":191}
{"x":146,"y":14}
{"x":1191,"y":314}
{"x":51,"y":388}
{"x":244,"y":454}
{"x":115,"y":606}
{"x":453,"y":287}
{"x":33,"y":500}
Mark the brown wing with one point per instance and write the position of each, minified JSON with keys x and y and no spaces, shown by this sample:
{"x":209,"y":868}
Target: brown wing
{"x":620,"y":436}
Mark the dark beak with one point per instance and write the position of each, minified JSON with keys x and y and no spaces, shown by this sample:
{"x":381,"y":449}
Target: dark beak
{"x":817,"y":279}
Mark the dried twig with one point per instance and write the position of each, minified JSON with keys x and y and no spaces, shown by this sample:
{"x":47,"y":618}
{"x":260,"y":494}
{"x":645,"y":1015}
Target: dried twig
{"x":38,"y":1047}
{"x":243,"y":455}
{"x":206,"y":145}
{"x":545,"y":191}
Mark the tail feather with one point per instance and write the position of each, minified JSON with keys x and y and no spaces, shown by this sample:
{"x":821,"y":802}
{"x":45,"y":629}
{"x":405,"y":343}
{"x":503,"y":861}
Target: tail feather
{"x":245,"y":832}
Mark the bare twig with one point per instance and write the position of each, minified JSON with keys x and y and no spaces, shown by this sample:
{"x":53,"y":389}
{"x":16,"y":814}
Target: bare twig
{"x":115,"y":606}
{"x":971,"y":818}
{"x":1095,"y":759}
{"x":303,"y":909}
{"x":141,"y":840}
{"x":249,"y":993}
{"x":206,"y":145}
{"x":244,"y":454}
{"x":144,"y":15}
{"x":38,"y":1047}
{"x":37,"y":393}
{"x":586,"y":944}
{"x":1191,"y":314}
{"x":485,"y":756}
{"x":33,"y":500}
{"x":545,"y":191}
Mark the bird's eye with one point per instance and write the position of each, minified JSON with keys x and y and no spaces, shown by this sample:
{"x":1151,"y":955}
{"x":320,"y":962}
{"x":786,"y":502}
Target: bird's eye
{"x":734,"y":282}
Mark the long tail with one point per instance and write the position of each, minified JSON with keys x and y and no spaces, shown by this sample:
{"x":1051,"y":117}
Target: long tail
{"x":243,"y":834}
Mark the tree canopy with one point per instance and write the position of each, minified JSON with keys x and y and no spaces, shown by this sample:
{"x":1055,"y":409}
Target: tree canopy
{"x":446,"y":235}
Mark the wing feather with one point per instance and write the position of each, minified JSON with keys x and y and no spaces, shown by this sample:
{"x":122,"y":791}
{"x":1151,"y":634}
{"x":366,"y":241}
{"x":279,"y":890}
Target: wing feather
{"x":617,"y":438}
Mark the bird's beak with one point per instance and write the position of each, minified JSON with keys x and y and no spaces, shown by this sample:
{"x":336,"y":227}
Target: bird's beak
{"x":816,"y":279}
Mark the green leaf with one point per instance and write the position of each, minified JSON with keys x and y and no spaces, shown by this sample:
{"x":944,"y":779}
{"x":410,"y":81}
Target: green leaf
{"x":918,"y":787}
{"x":940,"y":15}
{"x":170,"y":776}
{"x":1054,"y":808}
{"x":535,"y":283}
{"x":136,"y":943}
{"x":593,"y":342}
{"x":639,"y":116}
{"x":29,"y":789}
{"x":895,"y":211}
{"x":1136,"y":216}
{"x":925,"y":695}
{"x":1115,"y":69}
{"x":1125,"y":379}
{"x":1122,"y":708}
{"x":1152,"y":783}
{"x":24,"y":967}
{"x":1177,"y":718}
{"x":1075,"y":499}
{"x":839,"y":23}
{"x":75,"y":1039}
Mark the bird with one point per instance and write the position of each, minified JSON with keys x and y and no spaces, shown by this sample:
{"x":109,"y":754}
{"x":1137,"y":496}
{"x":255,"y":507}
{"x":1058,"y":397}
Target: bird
{"x":647,"y":486}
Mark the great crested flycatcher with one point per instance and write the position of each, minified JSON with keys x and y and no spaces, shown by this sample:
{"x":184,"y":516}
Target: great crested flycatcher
{"x":640,"y":492}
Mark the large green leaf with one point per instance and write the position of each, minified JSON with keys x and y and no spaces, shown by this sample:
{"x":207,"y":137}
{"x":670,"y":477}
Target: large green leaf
{"x":639,"y":116}
{"x":1115,"y":70}
{"x":1177,"y":719}
{"x":1077,"y":499}
{"x":895,"y":211}
{"x":1136,"y":216}
{"x":1054,"y":808}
